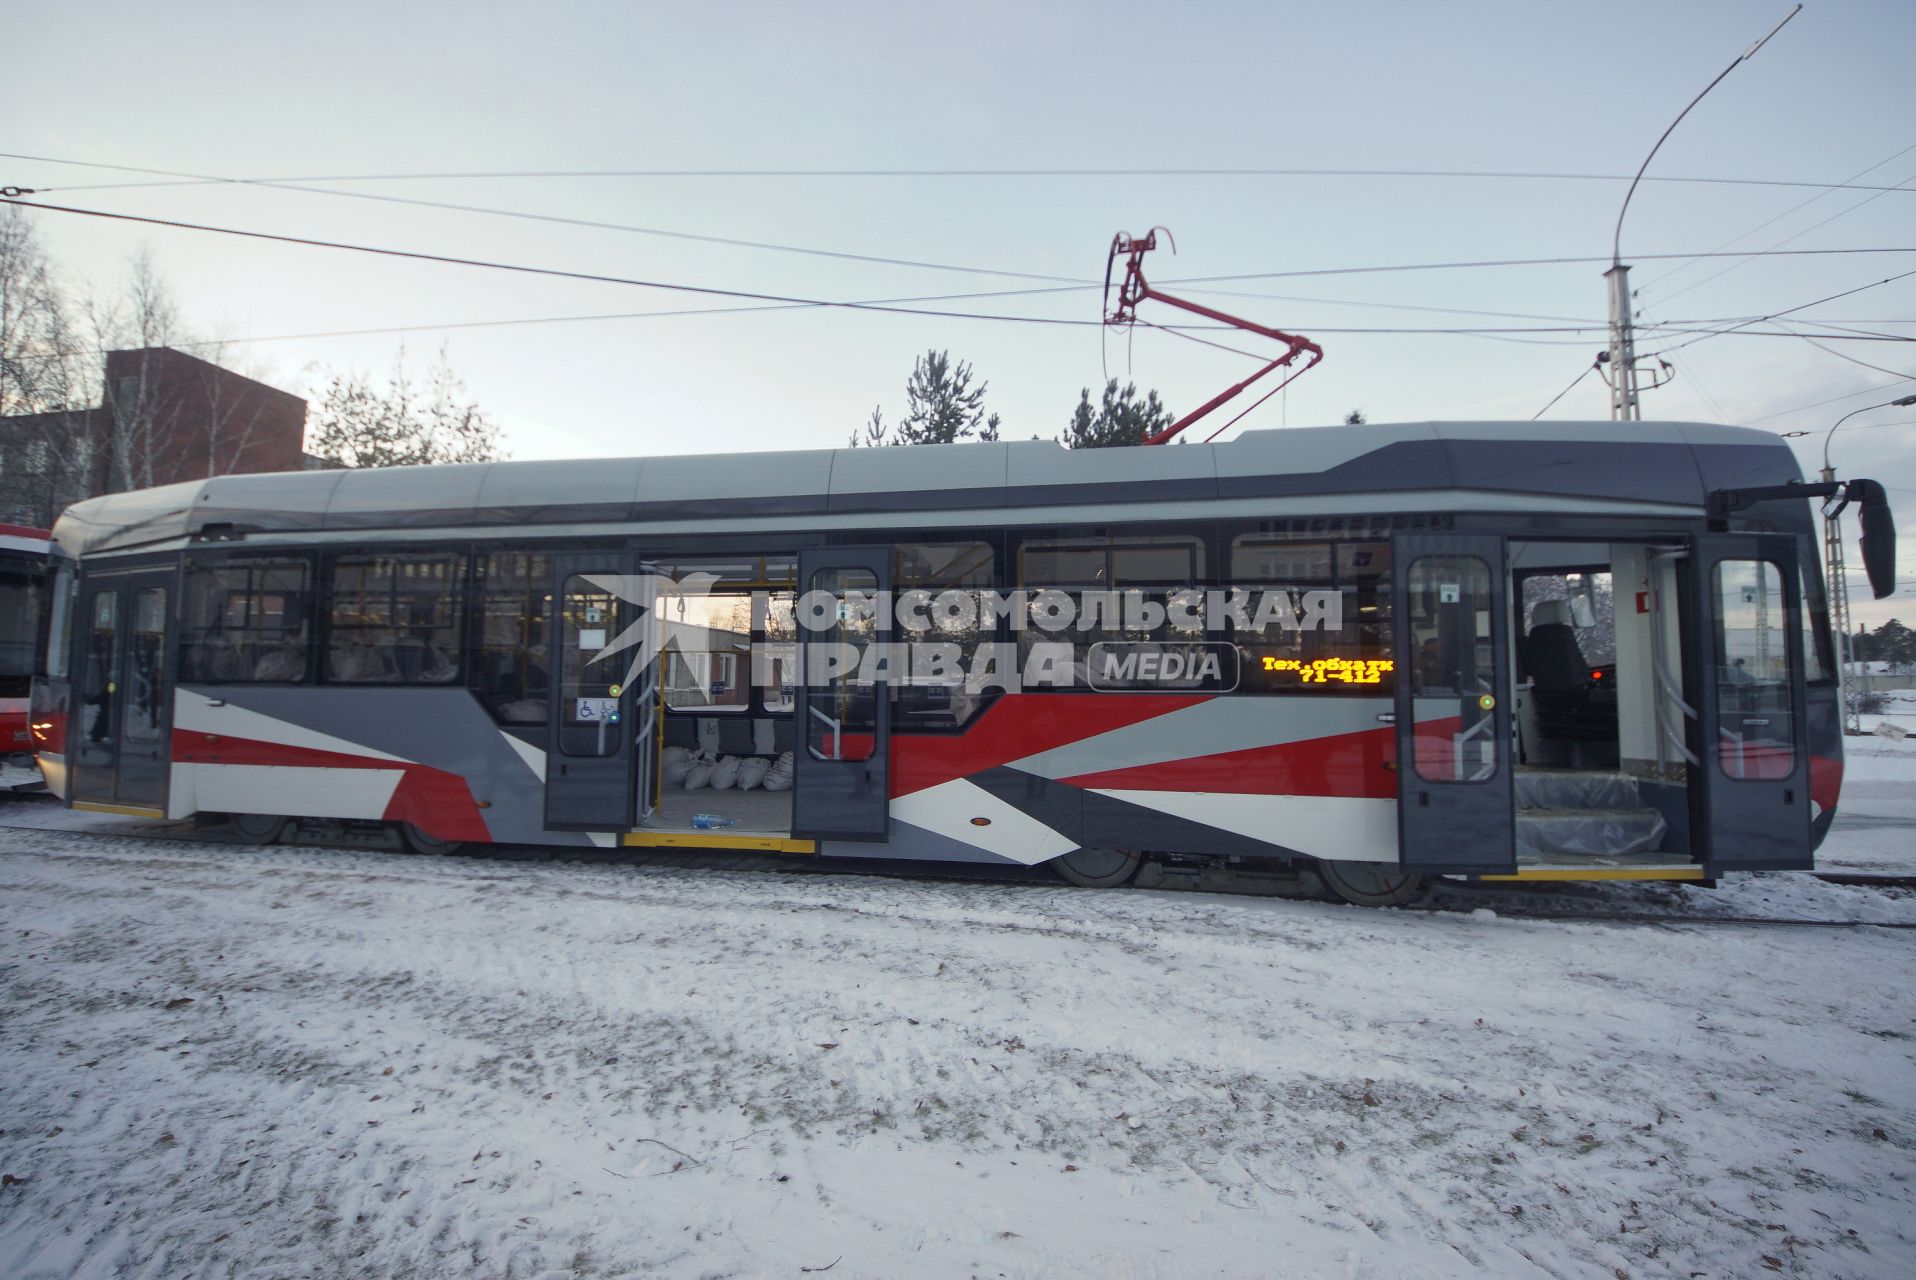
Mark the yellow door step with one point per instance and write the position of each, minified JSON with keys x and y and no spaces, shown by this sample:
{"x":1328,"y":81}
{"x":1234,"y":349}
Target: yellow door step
{"x":713,"y":840}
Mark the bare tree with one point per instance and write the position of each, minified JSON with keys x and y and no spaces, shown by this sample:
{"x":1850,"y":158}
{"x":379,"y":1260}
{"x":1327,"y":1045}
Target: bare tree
{"x":232,"y":417}
{"x":46,"y":382}
{"x":359,"y":425}
{"x":137,"y":425}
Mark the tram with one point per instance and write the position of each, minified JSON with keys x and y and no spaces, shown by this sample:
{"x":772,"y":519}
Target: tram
{"x":23,"y":574}
{"x":1364,"y":654}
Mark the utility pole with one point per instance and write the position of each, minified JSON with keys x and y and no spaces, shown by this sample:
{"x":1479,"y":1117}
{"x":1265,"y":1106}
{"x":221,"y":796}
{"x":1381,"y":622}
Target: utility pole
{"x":1622,"y":356}
{"x":1623,"y":347}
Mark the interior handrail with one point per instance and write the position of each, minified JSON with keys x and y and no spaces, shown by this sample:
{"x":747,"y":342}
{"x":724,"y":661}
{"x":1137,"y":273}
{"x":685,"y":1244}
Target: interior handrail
{"x":838,"y":736}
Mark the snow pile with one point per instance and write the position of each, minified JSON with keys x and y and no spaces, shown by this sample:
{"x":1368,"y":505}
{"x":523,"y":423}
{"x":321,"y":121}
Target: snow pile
{"x":295,"y":1061}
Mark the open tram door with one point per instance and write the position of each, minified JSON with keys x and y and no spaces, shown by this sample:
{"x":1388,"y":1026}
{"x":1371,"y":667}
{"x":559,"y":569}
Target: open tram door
{"x":601,"y":726}
{"x":842,"y":748}
{"x":1455,"y":791}
{"x":1750,"y":783}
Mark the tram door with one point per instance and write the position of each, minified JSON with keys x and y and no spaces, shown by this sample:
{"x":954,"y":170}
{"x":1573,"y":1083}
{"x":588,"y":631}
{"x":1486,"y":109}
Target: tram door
{"x":123,"y":698}
{"x":600,"y":714}
{"x":842,"y":777}
{"x":1455,"y":802}
{"x":1752,"y":783}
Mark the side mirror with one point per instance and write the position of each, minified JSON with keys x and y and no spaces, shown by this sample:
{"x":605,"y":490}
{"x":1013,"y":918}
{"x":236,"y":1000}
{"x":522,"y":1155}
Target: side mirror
{"x":1879,"y":535}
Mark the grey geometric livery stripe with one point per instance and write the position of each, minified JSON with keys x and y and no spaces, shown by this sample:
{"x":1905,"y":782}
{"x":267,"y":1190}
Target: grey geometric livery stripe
{"x":1210,"y":728}
{"x":1099,"y":821}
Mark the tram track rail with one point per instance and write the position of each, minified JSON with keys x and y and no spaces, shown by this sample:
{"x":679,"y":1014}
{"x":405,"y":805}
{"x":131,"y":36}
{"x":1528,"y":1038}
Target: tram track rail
{"x":788,"y":864}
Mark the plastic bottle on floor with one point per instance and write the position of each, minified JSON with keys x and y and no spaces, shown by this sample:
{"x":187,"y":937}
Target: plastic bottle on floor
{"x":708,"y":821}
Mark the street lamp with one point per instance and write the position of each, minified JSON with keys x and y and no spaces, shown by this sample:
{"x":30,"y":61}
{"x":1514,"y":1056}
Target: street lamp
{"x":1623,"y":350}
{"x":1838,"y":589}
{"x":1902,"y":403}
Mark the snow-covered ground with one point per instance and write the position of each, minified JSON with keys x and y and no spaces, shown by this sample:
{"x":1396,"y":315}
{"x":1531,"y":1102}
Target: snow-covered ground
{"x":217,"y":1060}
{"x":1876,"y":817}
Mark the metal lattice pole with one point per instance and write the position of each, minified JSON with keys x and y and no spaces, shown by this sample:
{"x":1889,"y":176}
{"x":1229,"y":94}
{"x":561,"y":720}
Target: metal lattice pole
{"x":1838,"y":591}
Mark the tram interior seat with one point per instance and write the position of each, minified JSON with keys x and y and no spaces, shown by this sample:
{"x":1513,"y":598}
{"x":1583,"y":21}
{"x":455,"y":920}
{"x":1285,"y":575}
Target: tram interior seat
{"x":735,"y":733}
{"x":1570,"y":704}
{"x":390,"y":659}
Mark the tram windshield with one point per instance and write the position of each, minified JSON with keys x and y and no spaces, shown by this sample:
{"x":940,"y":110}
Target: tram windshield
{"x":22,"y":594}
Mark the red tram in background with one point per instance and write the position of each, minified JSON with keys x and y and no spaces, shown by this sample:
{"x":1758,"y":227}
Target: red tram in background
{"x":23,"y":586}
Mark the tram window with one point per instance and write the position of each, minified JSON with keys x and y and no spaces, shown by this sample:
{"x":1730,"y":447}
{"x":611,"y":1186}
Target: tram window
{"x":511,"y":673}
{"x":589,"y":675}
{"x":245,"y":623}
{"x":729,"y":647}
{"x":708,"y":647}
{"x":58,"y":620}
{"x":147,"y":698}
{"x":394,"y":619}
{"x":1329,"y":632}
{"x":99,"y":680}
{"x":1754,"y":704}
{"x":843,"y":720}
{"x":1818,"y":660}
{"x":941,"y":584}
{"x":1169,"y":560}
{"x":1132,"y":598}
{"x":1453,"y":684}
{"x":1589,"y":604}
{"x":775,"y":653}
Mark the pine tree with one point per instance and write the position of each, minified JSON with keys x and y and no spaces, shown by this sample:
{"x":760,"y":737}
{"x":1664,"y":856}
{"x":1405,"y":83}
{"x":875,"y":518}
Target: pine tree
{"x":875,"y":431}
{"x":942,"y":404}
{"x":1120,"y":418}
{"x":1894,"y":643}
{"x":1355,"y":418}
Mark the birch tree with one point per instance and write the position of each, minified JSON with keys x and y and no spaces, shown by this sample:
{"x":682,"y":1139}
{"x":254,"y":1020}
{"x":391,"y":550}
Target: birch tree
{"x":46,"y":383}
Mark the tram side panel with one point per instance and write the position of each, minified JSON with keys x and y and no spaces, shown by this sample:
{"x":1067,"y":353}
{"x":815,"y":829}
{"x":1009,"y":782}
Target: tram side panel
{"x":1040,"y":774}
{"x":431,"y":757}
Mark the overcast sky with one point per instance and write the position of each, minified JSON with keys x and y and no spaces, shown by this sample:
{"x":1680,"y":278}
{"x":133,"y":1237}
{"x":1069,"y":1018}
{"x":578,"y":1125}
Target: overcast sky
{"x":344,"y":89}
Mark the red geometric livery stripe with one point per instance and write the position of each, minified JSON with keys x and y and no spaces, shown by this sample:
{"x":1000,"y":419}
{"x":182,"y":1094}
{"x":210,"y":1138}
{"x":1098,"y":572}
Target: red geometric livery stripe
{"x":1345,"y":764}
{"x":437,"y":802}
{"x":1019,"y":725}
{"x":1826,"y":781}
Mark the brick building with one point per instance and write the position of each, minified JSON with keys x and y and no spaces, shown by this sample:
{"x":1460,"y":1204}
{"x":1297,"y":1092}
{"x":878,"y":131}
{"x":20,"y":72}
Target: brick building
{"x":163,"y":416}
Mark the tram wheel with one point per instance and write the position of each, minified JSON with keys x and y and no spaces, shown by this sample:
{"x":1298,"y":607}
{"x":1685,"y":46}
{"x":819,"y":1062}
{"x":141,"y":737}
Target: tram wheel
{"x":258,"y":828}
{"x":419,"y":842}
{"x":1098,"y":868}
{"x":1369,"y":884}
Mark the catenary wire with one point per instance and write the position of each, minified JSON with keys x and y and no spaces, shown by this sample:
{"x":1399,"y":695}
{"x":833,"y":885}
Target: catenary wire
{"x":186,"y":179}
{"x":295,"y":185}
{"x":1841,"y":355}
{"x":1818,"y":404}
{"x":1789,"y":239}
{"x":589,"y":277}
{"x":1786,"y":311}
{"x":741,"y":294}
{"x":1804,"y":204}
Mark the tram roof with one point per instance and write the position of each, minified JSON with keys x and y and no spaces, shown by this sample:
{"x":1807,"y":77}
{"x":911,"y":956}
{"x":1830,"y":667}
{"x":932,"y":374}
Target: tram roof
{"x":1379,"y":467}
